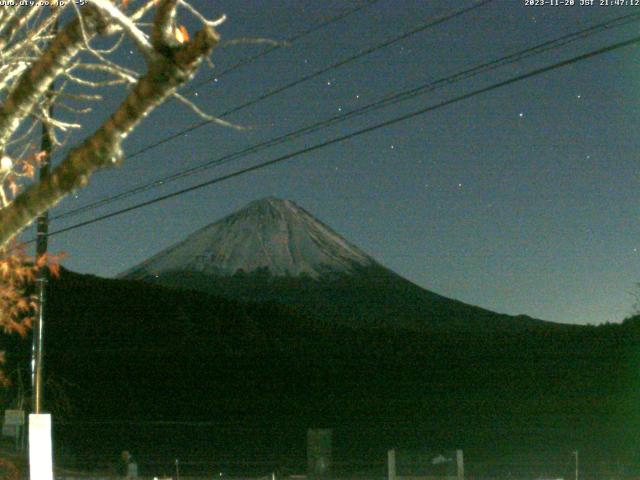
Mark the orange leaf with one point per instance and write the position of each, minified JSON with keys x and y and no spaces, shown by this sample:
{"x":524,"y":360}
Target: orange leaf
{"x":22,"y":304}
{"x":28,"y":169}
{"x":36,"y":159}
{"x":54,"y":269}
{"x":182,"y":35}
{"x":42,"y":261}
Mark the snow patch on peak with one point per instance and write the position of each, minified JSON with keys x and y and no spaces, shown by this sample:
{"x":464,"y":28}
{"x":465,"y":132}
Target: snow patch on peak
{"x":272,"y":235}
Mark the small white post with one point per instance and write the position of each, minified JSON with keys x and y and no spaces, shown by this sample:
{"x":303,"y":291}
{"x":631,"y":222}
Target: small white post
{"x":460,"y":464}
{"x":40,"y":451}
{"x":391,"y":464}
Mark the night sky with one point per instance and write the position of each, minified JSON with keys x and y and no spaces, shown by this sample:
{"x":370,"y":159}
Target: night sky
{"x":520,"y":200}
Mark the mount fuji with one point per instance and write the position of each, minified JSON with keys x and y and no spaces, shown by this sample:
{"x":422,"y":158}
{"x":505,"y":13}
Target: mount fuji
{"x":273,"y":250}
{"x":270,"y":236}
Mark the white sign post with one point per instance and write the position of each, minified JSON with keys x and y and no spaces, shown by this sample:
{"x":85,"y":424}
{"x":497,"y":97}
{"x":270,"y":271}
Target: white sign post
{"x":40,"y":451}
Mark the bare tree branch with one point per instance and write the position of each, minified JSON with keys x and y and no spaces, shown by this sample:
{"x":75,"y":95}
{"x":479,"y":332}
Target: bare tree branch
{"x":21,"y":17}
{"x":137,"y":35}
{"x":204,"y":115}
{"x":33,"y":83}
{"x":173,"y":67}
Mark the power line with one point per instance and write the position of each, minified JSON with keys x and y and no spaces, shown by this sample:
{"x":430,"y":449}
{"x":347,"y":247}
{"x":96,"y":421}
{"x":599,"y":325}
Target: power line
{"x":384,"y":102}
{"x":291,"y":39}
{"x":264,"y":53}
{"x":357,"y":133}
{"x":421,"y":28}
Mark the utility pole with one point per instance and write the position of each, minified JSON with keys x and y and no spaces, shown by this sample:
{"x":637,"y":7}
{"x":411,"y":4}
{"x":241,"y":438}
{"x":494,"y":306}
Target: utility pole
{"x":42,"y":279}
{"x":42,"y":276}
{"x":576,"y":455}
{"x":40,"y":441}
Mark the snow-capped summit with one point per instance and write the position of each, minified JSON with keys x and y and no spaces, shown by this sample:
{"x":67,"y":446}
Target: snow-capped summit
{"x":268,"y":235}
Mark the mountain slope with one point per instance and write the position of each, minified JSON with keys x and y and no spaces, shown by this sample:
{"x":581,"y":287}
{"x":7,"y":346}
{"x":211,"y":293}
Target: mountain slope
{"x":136,"y":355}
{"x":273,"y":250}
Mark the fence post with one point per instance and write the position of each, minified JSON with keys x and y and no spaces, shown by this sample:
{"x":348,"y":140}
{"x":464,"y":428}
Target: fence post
{"x":460,"y":464}
{"x":391,"y":464}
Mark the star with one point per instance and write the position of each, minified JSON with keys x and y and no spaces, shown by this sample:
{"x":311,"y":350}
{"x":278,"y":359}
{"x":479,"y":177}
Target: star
{"x":578,"y":96}
{"x":521,"y":114}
